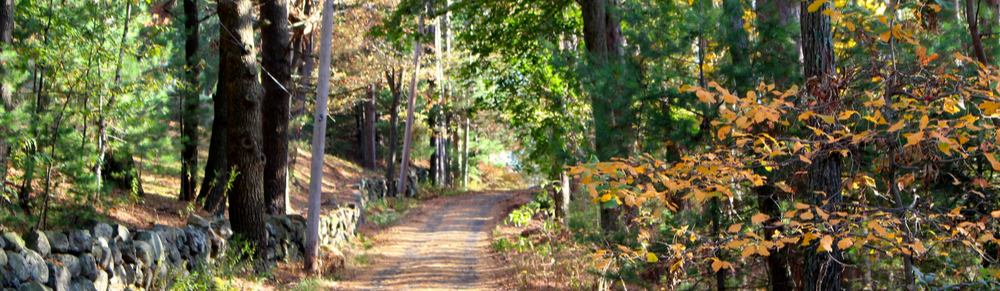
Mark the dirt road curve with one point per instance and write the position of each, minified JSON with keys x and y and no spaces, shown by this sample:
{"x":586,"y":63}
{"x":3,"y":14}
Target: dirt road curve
{"x":444,"y":246}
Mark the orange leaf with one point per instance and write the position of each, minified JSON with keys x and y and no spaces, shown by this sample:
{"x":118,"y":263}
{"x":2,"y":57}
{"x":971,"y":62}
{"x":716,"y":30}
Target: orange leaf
{"x":760,"y":217}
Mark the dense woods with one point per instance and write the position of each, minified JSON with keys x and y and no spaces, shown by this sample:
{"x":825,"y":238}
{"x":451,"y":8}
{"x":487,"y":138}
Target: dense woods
{"x":679,"y":145}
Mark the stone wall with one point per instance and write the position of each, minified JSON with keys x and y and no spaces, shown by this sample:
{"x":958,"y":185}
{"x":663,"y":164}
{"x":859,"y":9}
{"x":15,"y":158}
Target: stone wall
{"x":112,"y":257}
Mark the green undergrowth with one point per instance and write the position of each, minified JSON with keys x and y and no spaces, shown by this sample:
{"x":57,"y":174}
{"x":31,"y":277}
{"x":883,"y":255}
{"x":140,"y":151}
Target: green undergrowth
{"x":236,"y":262}
{"x":544,"y":254}
{"x":386,"y":211}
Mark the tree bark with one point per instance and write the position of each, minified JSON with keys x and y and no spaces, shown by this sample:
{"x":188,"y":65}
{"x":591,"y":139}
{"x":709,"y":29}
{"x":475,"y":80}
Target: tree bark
{"x":822,"y":270}
{"x":611,"y":112}
{"x":407,"y":133}
{"x":276,"y":76}
{"x":977,"y":41}
{"x":243,"y":150}
{"x":737,"y":40}
{"x":777,"y":267}
{"x":6,"y":92}
{"x":369,"y":136}
{"x":189,"y":116}
{"x":395,"y":83}
{"x":213,"y":186}
{"x":318,"y":140}
{"x":305,"y":48}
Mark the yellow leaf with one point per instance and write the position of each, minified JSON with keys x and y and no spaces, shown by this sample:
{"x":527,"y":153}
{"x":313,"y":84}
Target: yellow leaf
{"x":923,"y":122}
{"x":797,"y":146}
{"x":723,"y":131}
{"x":592,"y":191}
{"x":807,"y":215}
{"x":705,"y":97}
{"x":735,"y":227}
{"x":736,"y":243}
{"x":944,"y":147}
{"x":760,"y":217}
{"x":850,"y":26}
{"x":826,"y":118}
{"x":825,"y":244}
{"x":606,"y":197}
{"x":801,"y":206}
{"x":995,"y":214}
{"x":897,"y":126}
{"x":845,"y":243}
{"x":651,"y":257}
{"x":748,"y":251}
{"x":914,"y":138}
{"x":885,"y":36}
{"x":805,"y":159}
{"x":815,"y":5}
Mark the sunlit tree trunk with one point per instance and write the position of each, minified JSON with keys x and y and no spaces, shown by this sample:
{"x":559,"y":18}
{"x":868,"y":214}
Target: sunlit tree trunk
{"x":190,"y":116}
{"x":822,"y":270}
{"x":275,"y":76}
{"x":319,"y":139}
{"x":408,"y":132}
{"x":243,"y":150}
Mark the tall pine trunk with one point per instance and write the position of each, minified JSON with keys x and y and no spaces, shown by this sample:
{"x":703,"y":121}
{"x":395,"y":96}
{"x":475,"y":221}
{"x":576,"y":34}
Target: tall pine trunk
{"x":189,"y":116}
{"x":368,"y":142}
{"x":395,"y":84}
{"x":319,"y":139}
{"x":611,"y":111}
{"x":213,"y":186}
{"x":276,"y":76}
{"x":408,"y":132}
{"x":243,"y":150}
{"x":822,"y":270}
{"x":6,"y":92}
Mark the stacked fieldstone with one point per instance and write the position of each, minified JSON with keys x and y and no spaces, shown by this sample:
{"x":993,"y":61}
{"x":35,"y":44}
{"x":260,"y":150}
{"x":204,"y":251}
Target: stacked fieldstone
{"x":111,"y":257}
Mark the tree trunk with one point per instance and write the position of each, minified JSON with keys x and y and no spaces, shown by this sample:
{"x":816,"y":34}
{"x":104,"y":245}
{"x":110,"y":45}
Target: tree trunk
{"x":977,"y":41}
{"x":395,"y":82}
{"x":562,"y":198}
{"x":434,"y":140}
{"x":369,"y":132}
{"x":777,"y":267}
{"x":243,"y":150}
{"x":305,"y":48}
{"x":603,"y":39}
{"x":319,"y":139}
{"x":189,"y":116}
{"x":822,"y":270}
{"x":737,"y":40}
{"x":276,"y":76}
{"x":465,"y":154}
{"x":213,"y":186}
{"x":407,"y":133}
{"x":6,"y":92}
{"x":778,"y":45}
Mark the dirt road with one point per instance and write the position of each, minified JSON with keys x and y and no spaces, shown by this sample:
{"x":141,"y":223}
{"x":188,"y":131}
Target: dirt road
{"x":443,"y":246}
